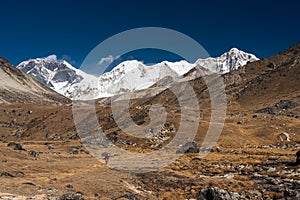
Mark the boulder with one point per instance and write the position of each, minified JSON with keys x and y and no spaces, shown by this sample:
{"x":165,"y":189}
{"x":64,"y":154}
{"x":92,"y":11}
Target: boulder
{"x":71,"y":196}
{"x":217,"y":194}
{"x":189,"y":147}
{"x":129,"y":197}
{"x":16,"y":146}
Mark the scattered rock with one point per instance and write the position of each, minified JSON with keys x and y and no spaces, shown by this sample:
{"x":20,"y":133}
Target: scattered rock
{"x":70,"y":186}
{"x":33,"y":154}
{"x":30,"y":112}
{"x":240,"y":122}
{"x":284,"y":137}
{"x":217,"y":194}
{"x":271,"y":169}
{"x":71,"y":196}
{"x":211,"y":149}
{"x":128,"y":196}
{"x":6,"y":174}
{"x":16,"y":146}
{"x":189,"y":147}
{"x":11,"y":144}
{"x":19,"y":147}
{"x":74,"y":151}
{"x":279,"y":108}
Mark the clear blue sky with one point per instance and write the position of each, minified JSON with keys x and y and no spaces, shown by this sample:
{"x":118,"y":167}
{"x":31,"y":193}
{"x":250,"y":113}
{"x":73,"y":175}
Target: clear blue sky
{"x":70,"y":29}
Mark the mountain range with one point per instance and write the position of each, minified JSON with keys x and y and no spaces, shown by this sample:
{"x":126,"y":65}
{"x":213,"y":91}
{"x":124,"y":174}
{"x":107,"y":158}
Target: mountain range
{"x":127,"y":76}
{"x":43,"y":157}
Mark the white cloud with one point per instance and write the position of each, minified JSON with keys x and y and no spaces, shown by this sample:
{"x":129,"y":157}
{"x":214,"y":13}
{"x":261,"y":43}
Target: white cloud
{"x":107,"y":60}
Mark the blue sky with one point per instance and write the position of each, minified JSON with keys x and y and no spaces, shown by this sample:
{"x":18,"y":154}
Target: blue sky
{"x":71,"y":29}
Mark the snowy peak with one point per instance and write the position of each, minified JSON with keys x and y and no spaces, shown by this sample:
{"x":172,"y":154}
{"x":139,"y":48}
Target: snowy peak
{"x":134,"y":75}
{"x":56,"y":74}
{"x":229,"y":61}
{"x":127,"y":76}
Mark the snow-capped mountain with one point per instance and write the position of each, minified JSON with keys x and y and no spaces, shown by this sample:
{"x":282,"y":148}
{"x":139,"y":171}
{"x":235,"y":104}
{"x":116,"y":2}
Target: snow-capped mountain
{"x":134,"y":75}
{"x":229,"y":61}
{"x":127,"y":76}
{"x":59,"y":75}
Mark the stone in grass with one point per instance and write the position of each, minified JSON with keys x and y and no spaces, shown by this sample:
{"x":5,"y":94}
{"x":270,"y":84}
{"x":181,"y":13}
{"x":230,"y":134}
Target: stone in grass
{"x":16,"y":146}
{"x":70,"y":186}
{"x":6,"y":174}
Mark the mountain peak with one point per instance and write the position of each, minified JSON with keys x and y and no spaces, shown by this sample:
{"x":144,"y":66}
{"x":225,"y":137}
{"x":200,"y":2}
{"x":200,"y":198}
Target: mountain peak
{"x":234,"y":49}
{"x":127,"y":76}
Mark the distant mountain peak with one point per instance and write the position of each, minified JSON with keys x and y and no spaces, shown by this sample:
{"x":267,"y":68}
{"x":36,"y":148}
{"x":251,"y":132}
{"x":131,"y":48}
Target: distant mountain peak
{"x":129,"y":75}
{"x":229,"y":61}
{"x":234,"y":49}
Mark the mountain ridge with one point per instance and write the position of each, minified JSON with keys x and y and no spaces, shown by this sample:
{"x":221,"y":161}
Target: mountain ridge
{"x":128,"y":76}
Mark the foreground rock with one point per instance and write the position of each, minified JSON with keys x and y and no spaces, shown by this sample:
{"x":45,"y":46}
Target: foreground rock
{"x":71,"y":196}
{"x":128,"y":196}
{"x":217,"y":194}
{"x":189,"y":147}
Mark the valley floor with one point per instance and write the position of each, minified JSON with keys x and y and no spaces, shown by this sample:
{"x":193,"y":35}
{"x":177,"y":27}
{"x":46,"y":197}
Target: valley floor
{"x":66,"y":170}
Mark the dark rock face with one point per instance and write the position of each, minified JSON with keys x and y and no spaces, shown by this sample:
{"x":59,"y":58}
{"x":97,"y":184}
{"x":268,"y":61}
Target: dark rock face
{"x":189,"y":147}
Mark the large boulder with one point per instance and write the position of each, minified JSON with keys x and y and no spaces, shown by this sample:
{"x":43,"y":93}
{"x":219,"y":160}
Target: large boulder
{"x":189,"y":147}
